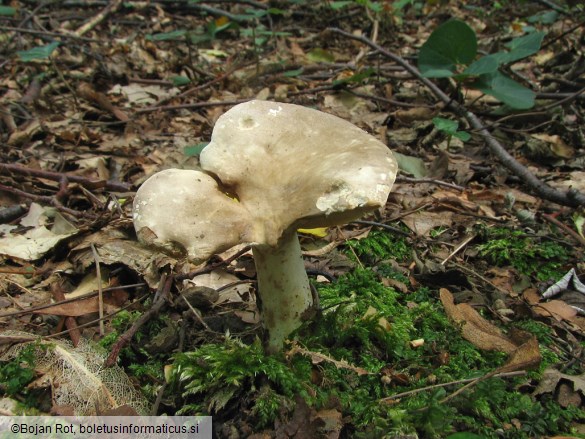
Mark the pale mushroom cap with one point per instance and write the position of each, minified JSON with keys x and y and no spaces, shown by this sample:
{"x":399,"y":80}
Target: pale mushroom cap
{"x":184,"y":211}
{"x":292,"y":166}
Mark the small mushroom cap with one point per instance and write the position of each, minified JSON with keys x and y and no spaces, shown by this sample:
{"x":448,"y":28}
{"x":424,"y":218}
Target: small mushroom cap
{"x":183,"y":211}
{"x":292,"y":166}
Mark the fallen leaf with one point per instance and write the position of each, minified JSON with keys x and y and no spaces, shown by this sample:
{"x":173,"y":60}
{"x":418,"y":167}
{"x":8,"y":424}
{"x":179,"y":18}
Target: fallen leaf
{"x":522,"y":347}
{"x":555,"y":308}
{"x":36,"y":242}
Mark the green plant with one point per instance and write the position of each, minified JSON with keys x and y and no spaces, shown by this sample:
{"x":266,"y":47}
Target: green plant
{"x":216,"y":375}
{"x":449,"y":127}
{"x":451,"y":50}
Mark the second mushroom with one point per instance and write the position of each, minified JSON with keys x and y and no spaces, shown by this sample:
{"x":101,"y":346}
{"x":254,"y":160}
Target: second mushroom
{"x":270,"y":169}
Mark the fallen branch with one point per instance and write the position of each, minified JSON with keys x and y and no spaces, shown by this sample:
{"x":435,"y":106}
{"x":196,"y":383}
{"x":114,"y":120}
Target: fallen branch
{"x":97,"y":19}
{"x":161,"y":298}
{"x":88,"y":183}
{"x":451,"y":383}
{"x":571,"y":198}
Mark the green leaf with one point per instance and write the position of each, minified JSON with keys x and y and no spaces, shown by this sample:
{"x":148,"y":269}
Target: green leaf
{"x":464,"y":435}
{"x":579,"y":221}
{"x":193,"y":150}
{"x":320,"y":55}
{"x":411,"y":165}
{"x":464,"y":136}
{"x":40,"y":52}
{"x":505,"y":90}
{"x":166,"y":36}
{"x":276,"y":11}
{"x":544,"y":17}
{"x":523,"y":46}
{"x":486,"y":64}
{"x":446,"y":125}
{"x":355,"y":78}
{"x":7,"y":11}
{"x":450,"y":45}
{"x":293,"y":73}
{"x":400,"y":4}
{"x":340,"y":4}
{"x":179,"y":80}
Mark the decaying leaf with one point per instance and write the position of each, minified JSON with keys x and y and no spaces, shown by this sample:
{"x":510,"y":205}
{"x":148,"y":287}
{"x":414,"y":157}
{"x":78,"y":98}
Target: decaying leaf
{"x":39,"y":240}
{"x":306,"y":422}
{"x":78,"y":377}
{"x":521,"y":347}
{"x":571,"y":387}
{"x":317,"y":357}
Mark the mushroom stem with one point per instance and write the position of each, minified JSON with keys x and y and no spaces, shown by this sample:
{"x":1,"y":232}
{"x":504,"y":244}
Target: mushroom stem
{"x":283,"y":287}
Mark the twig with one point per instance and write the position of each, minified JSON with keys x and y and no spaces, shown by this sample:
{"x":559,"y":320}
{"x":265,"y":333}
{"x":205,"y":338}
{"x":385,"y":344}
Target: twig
{"x":551,"y":219}
{"x":387,"y":101}
{"x":403,"y":179}
{"x":52,"y":201}
{"x":190,"y":106}
{"x":382,"y":226}
{"x":451,"y":383}
{"x":93,"y":322}
{"x":196,"y":313}
{"x":33,"y":309}
{"x":211,"y":267}
{"x":566,"y":100}
{"x":161,"y":298}
{"x":571,"y":198}
{"x":112,"y":7}
{"x":48,"y":34}
{"x":70,"y":321}
{"x":98,"y":271}
{"x":458,"y":249}
{"x":193,"y":90}
{"x":108,"y":185}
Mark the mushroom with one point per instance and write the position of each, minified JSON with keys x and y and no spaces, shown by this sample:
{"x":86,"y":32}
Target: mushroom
{"x":270,"y":169}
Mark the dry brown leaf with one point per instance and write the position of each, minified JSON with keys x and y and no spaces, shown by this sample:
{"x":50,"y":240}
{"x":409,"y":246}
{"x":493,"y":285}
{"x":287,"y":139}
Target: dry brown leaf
{"x":317,"y":357}
{"x":557,"y":145}
{"x":522,"y":348}
{"x":72,"y":309}
{"x":423,"y":222}
{"x":555,"y":308}
{"x":414,"y":114}
{"x":87,"y":92}
{"x":531,"y":296}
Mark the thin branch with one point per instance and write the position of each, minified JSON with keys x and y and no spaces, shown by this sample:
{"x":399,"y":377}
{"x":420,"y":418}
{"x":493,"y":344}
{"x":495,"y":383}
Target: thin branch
{"x":97,"y":19}
{"x":48,"y":34}
{"x":88,"y":183}
{"x":403,"y":179}
{"x":571,"y":198}
{"x":190,"y":106}
{"x":161,"y":299}
{"x":98,"y":273}
{"x":451,"y":383}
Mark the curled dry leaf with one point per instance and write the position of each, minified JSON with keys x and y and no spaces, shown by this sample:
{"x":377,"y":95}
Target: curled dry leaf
{"x":521,"y":347}
{"x":317,"y":357}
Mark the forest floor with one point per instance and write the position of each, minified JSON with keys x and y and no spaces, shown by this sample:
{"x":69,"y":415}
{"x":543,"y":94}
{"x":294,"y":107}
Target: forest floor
{"x":434,"y":320}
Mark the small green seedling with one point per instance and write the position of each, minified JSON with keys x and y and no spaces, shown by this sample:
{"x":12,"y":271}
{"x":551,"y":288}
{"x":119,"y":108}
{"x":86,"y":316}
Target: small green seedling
{"x":451,"y":51}
{"x":449,"y":127}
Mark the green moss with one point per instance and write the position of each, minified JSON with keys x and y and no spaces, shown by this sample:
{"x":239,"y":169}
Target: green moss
{"x":20,"y":371}
{"x":541,"y":258}
{"x":370,"y":326}
{"x":216,"y":375}
{"x":380,"y":245}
